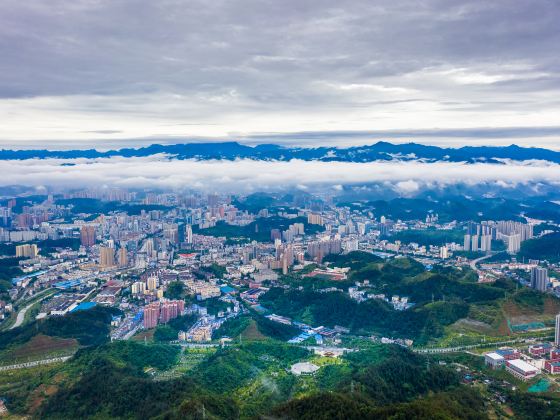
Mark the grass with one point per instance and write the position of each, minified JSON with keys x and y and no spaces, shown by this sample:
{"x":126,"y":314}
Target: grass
{"x":26,"y":389}
{"x":39,"y":347}
{"x":144,"y":335}
{"x":252,"y":332}
{"x":188,"y":360}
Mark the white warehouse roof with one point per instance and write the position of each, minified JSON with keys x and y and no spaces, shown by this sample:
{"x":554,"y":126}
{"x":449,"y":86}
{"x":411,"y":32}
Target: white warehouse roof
{"x":523,"y":366}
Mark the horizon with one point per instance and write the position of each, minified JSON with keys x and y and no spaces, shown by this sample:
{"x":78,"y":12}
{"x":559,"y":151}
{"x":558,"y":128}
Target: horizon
{"x":147,"y":143}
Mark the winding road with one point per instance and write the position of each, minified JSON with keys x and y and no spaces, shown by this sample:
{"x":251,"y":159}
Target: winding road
{"x":475,"y":262}
{"x":21,"y":316}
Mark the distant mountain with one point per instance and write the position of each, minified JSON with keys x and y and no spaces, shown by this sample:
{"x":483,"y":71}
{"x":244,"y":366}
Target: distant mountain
{"x":376,"y":152}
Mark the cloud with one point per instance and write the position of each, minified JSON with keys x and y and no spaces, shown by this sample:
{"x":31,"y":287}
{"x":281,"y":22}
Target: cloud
{"x":129,"y":69}
{"x":245,"y":175}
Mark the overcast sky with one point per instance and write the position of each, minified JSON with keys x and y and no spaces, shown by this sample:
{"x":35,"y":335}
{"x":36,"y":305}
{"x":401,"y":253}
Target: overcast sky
{"x":105,"y":73}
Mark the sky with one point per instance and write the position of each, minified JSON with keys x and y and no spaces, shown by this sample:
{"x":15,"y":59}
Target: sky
{"x":126,"y":73}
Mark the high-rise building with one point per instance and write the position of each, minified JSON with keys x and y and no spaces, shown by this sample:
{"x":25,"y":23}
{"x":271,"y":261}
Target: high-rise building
{"x":25,"y":220}
{"x":443,"y":252}
{"x":557,"y":331}
{"x":213,"y":200}
{"x":486,"y":243}
{"x":151,"y":315}
{"x":152,"y":283}
{"x":513,"y":242}
{"x":123,"y":257}
{"x":188,"y":234}
{"x":149,"y":247}
{"x":106,"y":257}
{"x":474,"y":243}
{"x":314,"y":219}
{"x":171,"y":233}
{"x":275,"y":234}
{"x":27,"y":250}
{"x":320,"y":249}
{"x":138,"y":287}
{"x":467,"y":243}
{"x":87,"y":235}
{"x":539,"y":278}
{"x":171,"y":309}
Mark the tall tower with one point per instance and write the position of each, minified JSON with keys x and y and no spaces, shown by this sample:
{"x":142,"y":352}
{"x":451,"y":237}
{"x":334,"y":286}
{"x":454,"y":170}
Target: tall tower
{"x":557,"y":331}
{"x":539,"y":278}
{"x":189,"y":234}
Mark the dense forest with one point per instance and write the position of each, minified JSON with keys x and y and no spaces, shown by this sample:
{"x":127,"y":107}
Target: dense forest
{"x":546,"y":247}
{"x":259,"y":230}
{"x":441,"y":297}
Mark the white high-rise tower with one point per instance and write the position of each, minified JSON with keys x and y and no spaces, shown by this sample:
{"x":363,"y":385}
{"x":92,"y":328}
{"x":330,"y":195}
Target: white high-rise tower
{"x":557,"y":331}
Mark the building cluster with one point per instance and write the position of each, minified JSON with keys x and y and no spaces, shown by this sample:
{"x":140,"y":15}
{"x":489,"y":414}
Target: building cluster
{"x":132,"y":247}
{"x":538,"y":358}
{"x":479,"y":236}
{"x":161,"y":312}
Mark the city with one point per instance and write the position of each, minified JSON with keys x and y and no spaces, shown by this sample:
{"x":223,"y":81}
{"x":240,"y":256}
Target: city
{"x":203,"y":271}
{"x":279,"y":210}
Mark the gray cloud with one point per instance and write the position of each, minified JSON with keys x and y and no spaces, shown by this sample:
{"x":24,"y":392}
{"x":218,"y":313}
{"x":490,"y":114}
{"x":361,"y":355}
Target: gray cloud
{"x":131,"y":68}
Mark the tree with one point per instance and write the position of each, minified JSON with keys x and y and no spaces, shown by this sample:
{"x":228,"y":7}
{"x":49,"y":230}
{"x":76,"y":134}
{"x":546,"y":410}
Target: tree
{"x":175,"y":290}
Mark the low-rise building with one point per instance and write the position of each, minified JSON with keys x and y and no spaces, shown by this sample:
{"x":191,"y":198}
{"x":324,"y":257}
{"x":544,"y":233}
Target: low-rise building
{"x":521,"y":369}
{"x":540,"y":350}
{"x":494,"y":360}
{"x":552,"y":366}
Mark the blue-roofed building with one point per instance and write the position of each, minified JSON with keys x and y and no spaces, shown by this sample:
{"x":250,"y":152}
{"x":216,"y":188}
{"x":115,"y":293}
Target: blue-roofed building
{"x":508,"y":353}
{"x":228,"y":290}
{"x":84,"y":306}
{"x":67,"y":284}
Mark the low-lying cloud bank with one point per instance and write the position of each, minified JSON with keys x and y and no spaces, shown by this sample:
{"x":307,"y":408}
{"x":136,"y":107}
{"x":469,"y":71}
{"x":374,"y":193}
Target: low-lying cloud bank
{"x":242,"y":176}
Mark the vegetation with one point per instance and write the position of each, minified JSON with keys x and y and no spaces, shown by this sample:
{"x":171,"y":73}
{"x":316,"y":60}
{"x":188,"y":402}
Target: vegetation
{"x":233,"y":327}
{"x":441,"y":297}
{"x":452,"y":208}
{"x":259,"y":230}
{"x":457,"y":404}
{"x":355,"y":260}
{"x":428,"y":236}
{"x":118,"y":380}
{"x":175,"y":290}
{"x":274,"y":329}
{"x":89,"y":327}
{"x":95,"y":206}
{"x":546,"y":247}
{"x":170,"y":331}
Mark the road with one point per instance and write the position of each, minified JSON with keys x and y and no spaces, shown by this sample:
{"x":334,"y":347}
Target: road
{"x":35,"y":363}
{"x":469,"y":347}
{"x":21,"y":314}
{"x":475,"y":262}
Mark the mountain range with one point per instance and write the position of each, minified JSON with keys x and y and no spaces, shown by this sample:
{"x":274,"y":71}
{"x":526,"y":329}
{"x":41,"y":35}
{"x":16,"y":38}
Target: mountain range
{"x":380,"y":151}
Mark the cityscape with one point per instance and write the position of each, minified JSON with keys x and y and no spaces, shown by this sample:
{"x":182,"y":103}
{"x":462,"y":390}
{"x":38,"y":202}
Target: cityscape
{"x":259,"y":210}
{"x":204,"y":271}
